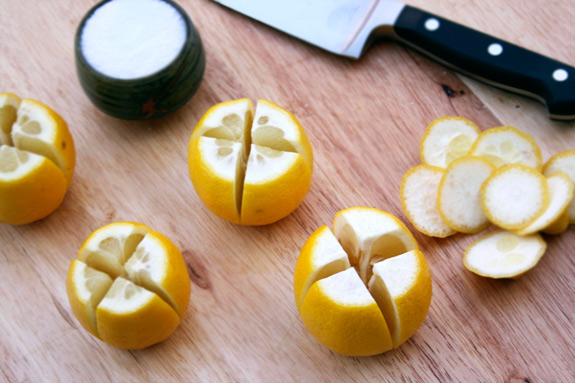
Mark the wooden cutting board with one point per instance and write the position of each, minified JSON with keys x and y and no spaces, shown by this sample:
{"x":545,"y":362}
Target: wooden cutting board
{"x":364,"y":120}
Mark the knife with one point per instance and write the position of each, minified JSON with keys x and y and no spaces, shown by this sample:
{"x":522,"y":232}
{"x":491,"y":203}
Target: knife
{"x":348,"y":27}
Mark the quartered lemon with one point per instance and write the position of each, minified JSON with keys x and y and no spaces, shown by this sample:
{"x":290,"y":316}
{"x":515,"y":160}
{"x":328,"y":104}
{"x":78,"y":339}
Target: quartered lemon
{"x":37,"y":160}
{"x":363,"y":288}
{"x":446,"y":139}
{"x":250,"y":166}
{"x":129,"y":286}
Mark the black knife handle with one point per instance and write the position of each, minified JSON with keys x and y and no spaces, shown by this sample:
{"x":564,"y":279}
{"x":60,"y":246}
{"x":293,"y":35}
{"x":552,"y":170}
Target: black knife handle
{"x":491,"y":60}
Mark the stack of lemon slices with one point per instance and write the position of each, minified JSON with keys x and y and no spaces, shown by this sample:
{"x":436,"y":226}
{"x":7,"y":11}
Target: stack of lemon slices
{"x":250,"y":167}
{"x":129,"y":286}
{"x":37,"y":160}
{"x":470,"y":179}
{"x":363,"y":288}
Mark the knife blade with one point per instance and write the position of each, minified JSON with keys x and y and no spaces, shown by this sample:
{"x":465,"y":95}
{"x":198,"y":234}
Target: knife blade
{"x":349,"y":27}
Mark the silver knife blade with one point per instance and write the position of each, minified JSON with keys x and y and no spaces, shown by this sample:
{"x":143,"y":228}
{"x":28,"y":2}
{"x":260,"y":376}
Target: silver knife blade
{"x":342,"y":27}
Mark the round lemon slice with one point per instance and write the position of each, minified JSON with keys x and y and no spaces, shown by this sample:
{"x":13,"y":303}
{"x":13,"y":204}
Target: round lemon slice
{"x":446,"y":139}
{"x":129,"y":286}
{"x":561,"y":191}
{"x":507,"y":145}
{"x":503,"y":254}
{"x":355,"y":284}
{"x":250,"y":167}
{"x":418,"y":194}
{"x":563,"y":162}
{"x":514,"y":196}
{"x":458,"y":199}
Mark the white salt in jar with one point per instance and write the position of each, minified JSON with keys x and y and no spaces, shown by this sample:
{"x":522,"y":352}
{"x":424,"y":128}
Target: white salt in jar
{"x":138,"y":59}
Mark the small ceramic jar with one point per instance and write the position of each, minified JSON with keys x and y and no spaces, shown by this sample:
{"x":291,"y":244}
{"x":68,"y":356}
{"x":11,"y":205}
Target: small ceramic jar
{"x":148,"y":95}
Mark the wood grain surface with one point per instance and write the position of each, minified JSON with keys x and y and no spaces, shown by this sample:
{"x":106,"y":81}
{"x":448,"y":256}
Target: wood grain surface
{"x":364,"y":120}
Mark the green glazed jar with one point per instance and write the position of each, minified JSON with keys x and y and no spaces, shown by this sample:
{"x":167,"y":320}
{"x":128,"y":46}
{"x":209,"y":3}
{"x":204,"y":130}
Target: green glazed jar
{"x":139,"y":95}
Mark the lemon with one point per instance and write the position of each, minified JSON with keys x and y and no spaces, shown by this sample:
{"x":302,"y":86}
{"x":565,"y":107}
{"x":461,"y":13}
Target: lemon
{"x":364,"y":288}
{"x":250,"y":166}
{"x":514,"y":196}
{"x":37,"y":160}
{"x":418,"y":194}
{"x":446,"y":139}
{"x":458,"y":197}
{"x":506,"y":145}
{"x":503,"y":254}
{"x":129,"y":286}
{"x":563,"y":162}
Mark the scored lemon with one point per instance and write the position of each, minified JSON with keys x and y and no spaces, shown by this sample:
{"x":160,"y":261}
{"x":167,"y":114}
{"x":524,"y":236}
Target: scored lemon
{"x":364,"y":288}
{"x":129,"y":286}
{"x":250,"y":166}
{"x":37,"y":159}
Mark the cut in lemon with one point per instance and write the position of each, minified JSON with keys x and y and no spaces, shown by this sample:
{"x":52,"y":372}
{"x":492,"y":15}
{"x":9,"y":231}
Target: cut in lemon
{"x":129,"y":286}
{"x":458,"y":200}
{"x":561,"y":191}
{"x":37,"y":160}
{"x":502,"y":254}
{"x":507,"y":145}
{"x":514,"y":196}
{"x":563,"y":162}
{"x":365,"y":289}
{"x":250,"y":167}
{"x":418,"y":194}
{"x":446,"y":139}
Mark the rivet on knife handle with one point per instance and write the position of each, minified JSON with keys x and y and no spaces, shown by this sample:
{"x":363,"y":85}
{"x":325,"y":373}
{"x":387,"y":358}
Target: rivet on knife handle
{"x":490,"y":60}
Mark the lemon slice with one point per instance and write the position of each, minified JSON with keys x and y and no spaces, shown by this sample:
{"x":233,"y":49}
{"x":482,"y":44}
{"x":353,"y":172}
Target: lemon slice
{"x":507,"y":145}
{"x":446,"y":139}
{"x":418,"y":194}
{"x":36,"y":154}
{"x":514,"y":196}
{"x":561,"y":191}
{"x":563,"y":162}
{"x":458,"y":200}
{"x":250,"y":167}
{"x":559,"y":225}
{"x":129,"y":286}
{"x":353,"y":285}
{"x":502,"y":254}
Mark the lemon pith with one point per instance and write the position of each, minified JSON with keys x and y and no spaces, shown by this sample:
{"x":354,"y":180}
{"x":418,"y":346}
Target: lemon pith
{"x":37,"y":160}
{"x":129,"y":286}
{"x":364,"y":288}
{"x":250,"y":166}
